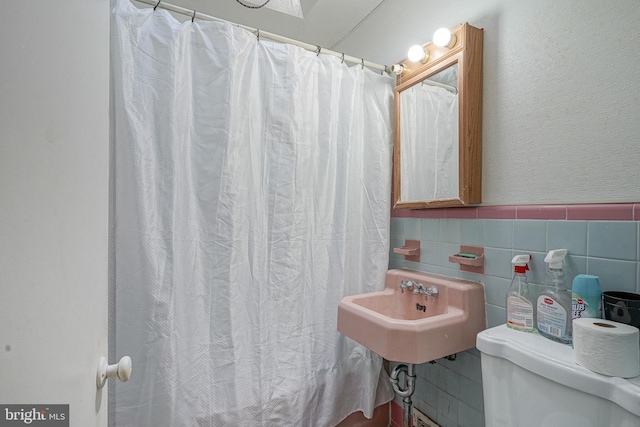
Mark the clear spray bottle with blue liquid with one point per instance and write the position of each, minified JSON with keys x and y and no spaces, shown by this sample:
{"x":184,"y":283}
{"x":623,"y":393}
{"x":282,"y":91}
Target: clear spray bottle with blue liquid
{"x":553,"y":307}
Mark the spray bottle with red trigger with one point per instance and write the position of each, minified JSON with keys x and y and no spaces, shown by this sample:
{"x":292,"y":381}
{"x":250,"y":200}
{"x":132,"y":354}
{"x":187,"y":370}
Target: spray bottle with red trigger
{"x":519,"y":304}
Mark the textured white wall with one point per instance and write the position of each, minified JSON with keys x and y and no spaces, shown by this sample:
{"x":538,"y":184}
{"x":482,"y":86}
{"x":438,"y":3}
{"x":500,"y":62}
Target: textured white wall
{"x":561,"y":110}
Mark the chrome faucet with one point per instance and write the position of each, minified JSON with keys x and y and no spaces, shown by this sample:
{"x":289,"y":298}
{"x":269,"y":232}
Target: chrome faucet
{"x":426,"y":290}
{"x":406,"y":284}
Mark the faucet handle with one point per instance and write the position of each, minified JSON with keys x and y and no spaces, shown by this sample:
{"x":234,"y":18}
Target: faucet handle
{"x":406,"y":284}
{"x":420,"y":289}
{"x":432,"y":290}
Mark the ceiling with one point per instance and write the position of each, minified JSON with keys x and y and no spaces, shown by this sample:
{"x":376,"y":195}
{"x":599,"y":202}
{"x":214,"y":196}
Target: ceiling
{"x":326,"y":22}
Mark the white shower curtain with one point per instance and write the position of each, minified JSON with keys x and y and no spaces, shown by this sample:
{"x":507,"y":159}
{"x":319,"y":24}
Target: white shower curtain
{"x":251,"y":193}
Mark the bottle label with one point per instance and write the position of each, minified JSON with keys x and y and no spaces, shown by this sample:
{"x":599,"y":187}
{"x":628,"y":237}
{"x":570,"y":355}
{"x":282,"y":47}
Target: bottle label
{"x":519,"y":314}
{"x":588,"y":306}
{"x":552,"y":317}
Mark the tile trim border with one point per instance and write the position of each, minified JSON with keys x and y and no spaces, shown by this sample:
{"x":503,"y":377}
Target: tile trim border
{"x":583,"y":212}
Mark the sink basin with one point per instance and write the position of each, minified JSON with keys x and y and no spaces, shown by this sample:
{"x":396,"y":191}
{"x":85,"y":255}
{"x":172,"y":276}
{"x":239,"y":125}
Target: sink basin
{"x":404,"y":327}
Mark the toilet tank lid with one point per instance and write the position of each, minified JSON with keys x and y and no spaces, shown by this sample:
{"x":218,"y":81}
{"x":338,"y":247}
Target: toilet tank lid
{"x":555,"y":362}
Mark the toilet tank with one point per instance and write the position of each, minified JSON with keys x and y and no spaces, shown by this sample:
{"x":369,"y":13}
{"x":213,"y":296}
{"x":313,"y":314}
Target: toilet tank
{"x":531,"y":381}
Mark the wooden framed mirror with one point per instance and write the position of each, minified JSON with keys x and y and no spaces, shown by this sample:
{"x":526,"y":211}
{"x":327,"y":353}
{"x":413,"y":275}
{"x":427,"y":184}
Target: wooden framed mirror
{"x":438,"y":125}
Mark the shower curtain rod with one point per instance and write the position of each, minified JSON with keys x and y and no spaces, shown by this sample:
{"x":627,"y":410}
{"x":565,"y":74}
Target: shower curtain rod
{"x":451,"y":89}
{"x":281,"y":39}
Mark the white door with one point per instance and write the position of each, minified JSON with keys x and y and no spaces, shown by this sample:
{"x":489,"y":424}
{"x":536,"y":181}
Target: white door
{"x":54,"y":153}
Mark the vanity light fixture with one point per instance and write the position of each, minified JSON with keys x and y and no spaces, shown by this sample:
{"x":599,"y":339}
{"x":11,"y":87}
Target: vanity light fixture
{"x":444,"y":38}
{"x":417,"y":54}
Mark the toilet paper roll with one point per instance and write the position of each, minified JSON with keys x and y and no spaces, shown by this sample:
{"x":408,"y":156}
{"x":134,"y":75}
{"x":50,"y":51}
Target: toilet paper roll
{"x":607,"y":347}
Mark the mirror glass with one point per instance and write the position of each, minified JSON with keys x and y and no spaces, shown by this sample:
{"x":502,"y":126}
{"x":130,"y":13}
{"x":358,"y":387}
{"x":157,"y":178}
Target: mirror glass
{"x":429,"y":132}
{"x":438,"y":121}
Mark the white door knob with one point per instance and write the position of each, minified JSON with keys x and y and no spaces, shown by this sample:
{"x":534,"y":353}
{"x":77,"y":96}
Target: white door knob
{"x":122,"y":370}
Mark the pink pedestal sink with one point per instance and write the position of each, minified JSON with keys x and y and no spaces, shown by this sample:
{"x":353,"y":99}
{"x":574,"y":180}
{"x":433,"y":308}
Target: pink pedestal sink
{"x":404,"y":327}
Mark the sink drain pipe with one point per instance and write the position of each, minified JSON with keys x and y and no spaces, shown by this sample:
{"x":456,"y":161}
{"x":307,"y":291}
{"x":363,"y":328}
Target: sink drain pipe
{"x":407,"y":392}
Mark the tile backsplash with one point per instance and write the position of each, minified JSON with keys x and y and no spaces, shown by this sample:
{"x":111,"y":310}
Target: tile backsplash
{"x":450,"y":392}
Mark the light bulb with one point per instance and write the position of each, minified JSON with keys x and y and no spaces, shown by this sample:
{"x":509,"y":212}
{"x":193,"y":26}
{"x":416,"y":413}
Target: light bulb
{"x":444,"y":38}
{"x":416,"y":53}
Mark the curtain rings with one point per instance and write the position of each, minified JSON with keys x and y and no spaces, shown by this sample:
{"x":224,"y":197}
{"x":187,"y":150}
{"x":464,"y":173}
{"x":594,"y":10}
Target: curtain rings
{"x":342,"y":62}
{"x":258,"y":34}
{"x":154,"y":7}
{"x":318,"y":50}
{"x":363,"y":63}
{"x":194,"y":15}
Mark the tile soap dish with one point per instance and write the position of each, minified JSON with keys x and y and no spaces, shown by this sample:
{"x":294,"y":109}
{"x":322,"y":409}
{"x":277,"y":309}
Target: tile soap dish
{"x":410,"y":250}
{"x":470,"y":258}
